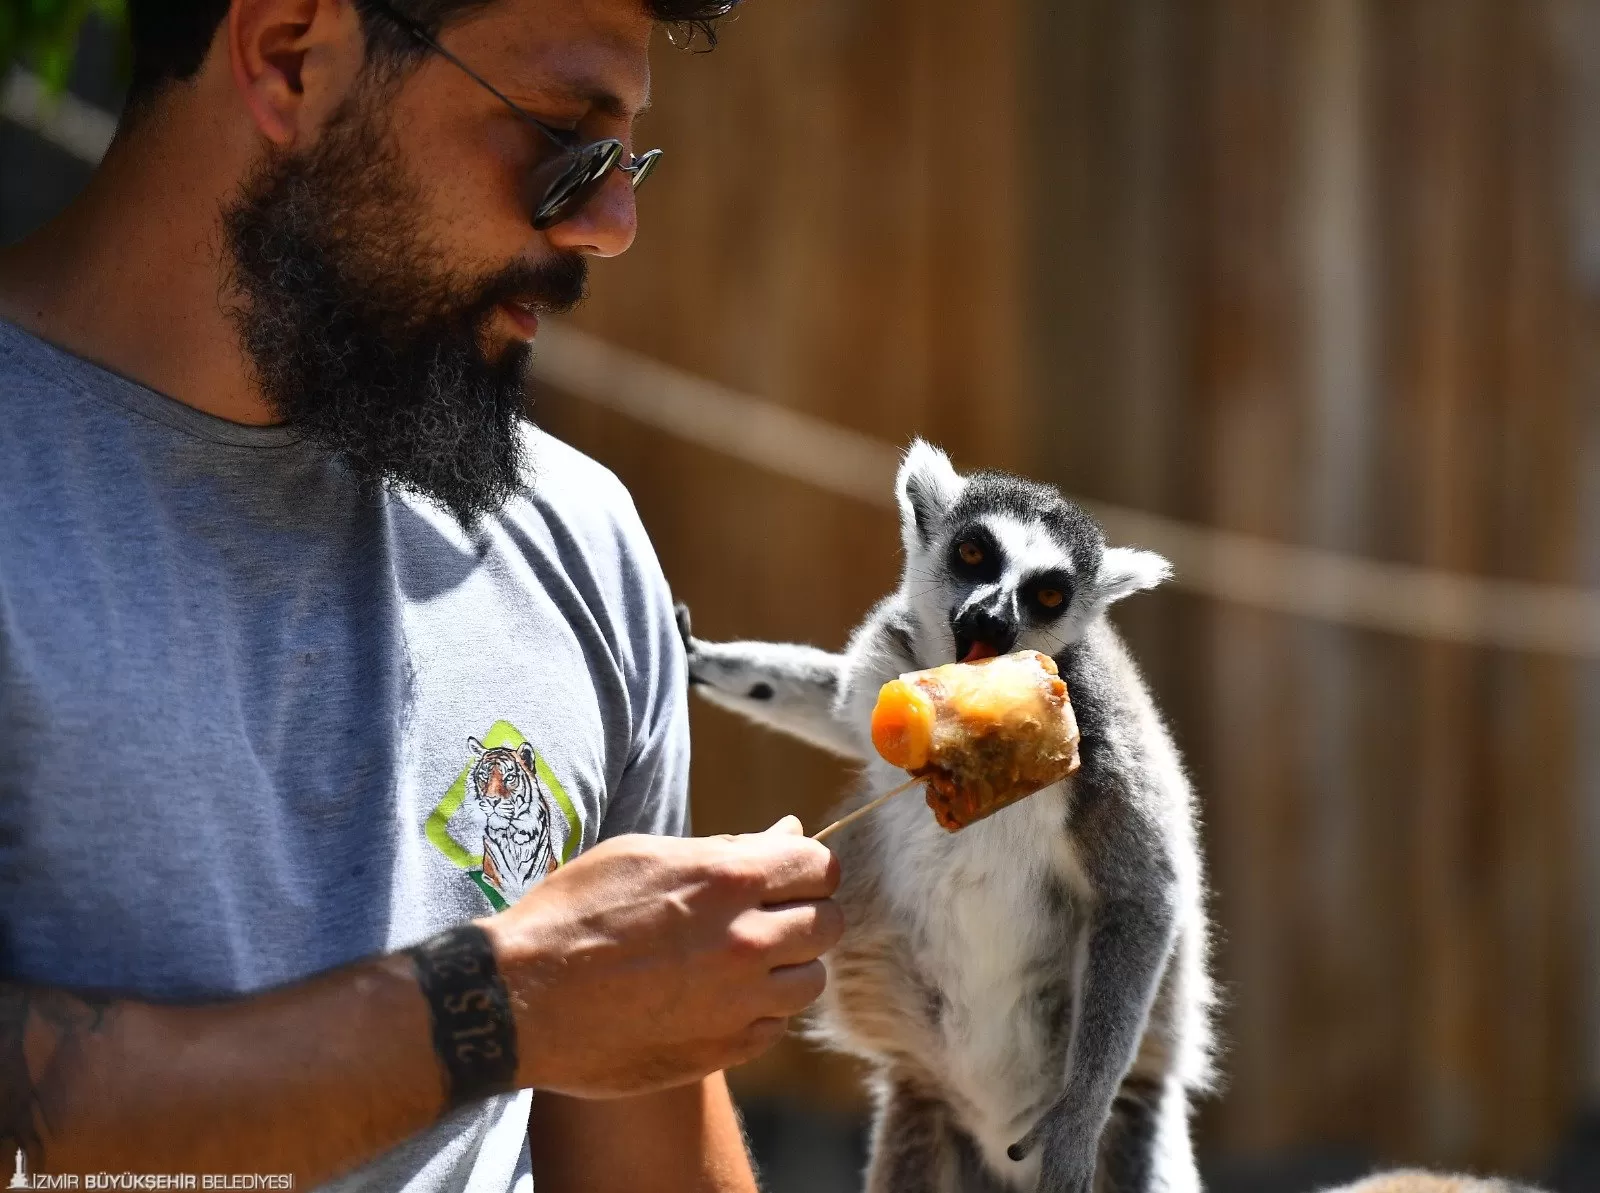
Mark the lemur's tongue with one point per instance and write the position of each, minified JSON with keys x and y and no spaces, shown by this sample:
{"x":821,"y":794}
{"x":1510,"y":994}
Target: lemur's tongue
{"x":979,"y":650}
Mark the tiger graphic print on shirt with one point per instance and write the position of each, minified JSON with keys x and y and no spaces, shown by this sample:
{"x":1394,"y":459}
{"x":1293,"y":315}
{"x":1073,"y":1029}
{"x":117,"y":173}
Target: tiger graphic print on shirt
{"x":506,"y":820}
{"x":518,"y":842}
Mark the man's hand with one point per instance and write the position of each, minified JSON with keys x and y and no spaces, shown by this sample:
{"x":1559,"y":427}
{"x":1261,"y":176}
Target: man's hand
{"x":650,"y":962}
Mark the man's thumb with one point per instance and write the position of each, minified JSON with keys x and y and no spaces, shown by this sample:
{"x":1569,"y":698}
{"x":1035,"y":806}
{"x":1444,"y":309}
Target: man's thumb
{"x":789,"y":824}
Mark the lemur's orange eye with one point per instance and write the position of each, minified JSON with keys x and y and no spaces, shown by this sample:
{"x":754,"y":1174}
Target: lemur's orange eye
{"x":1049,"y":597}
{"x":971,"y":554}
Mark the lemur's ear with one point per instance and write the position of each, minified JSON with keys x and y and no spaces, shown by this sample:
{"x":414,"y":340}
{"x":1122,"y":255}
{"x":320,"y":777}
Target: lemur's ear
{"x":926,"y":487}
{"x":1126,"y":570}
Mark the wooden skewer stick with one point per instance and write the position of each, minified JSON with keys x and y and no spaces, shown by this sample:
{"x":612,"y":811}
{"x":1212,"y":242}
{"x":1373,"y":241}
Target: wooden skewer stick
{"x":863,"y":810}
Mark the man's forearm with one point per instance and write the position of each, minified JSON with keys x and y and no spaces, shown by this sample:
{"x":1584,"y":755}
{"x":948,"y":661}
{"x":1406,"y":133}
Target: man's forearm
{"x":664,"y":959}
{"x":313,"y":1078}
{"x":683,"y":1140}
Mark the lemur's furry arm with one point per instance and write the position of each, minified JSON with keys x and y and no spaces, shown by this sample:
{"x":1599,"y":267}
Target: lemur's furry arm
{"x":1129,"y":938}
{"x":1132,"y":923}
{"x":784,"y":686}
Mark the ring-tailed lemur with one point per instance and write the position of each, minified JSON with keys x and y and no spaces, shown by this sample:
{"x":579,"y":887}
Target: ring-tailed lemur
{"x":1031,"y":991}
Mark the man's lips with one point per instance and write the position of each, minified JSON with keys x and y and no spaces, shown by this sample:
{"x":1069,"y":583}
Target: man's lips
{"x":523,"y":316}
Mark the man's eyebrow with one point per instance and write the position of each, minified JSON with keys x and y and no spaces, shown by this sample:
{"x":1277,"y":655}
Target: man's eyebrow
{"x":609,"y":104}
{"x":599,"y":97}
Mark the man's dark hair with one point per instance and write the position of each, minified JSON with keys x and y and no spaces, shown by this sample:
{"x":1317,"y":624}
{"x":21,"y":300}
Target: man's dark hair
{"x":170,"y":37}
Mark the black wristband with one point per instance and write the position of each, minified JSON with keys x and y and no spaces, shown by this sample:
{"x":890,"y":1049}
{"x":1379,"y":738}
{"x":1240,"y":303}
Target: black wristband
{"x":473,"y":1029}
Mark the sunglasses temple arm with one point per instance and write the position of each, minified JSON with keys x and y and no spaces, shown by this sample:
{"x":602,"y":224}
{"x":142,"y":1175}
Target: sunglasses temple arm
{"x":421,"y":35}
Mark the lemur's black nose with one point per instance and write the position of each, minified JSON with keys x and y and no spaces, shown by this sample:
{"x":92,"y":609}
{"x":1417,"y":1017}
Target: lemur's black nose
{"x":989,"y":628}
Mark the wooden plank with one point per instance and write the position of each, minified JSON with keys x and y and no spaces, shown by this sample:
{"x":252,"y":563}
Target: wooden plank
{"x":1575,"y":30}
{"x":1437,"y":158}
{"x":1242,"y":374}
{"x":1536,"y":725}
{"x":1351,"y":971}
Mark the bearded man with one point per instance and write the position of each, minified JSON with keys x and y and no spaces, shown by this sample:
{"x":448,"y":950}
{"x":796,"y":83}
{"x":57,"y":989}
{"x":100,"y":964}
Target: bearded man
{"x":281,"y":563}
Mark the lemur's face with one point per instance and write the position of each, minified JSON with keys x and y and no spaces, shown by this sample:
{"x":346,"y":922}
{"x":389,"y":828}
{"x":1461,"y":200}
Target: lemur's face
{"x":996,"y":564}
{"x":1007,"y":585}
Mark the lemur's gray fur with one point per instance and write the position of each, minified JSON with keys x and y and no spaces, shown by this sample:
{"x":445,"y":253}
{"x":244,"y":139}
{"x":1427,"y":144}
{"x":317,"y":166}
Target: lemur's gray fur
{"x":1032,"y":991}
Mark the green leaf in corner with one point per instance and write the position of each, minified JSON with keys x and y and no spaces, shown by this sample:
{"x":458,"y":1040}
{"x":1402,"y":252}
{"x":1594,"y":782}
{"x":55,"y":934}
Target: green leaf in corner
{"x":42,"y":35}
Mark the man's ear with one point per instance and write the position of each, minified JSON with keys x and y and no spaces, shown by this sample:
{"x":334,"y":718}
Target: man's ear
{"x":292,"y":62}
{"x":1126,"y":570}
{"x":926,"y":488}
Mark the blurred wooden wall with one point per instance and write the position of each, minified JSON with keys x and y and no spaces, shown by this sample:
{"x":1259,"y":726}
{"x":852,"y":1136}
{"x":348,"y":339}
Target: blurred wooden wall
{"x":1313,"y":278}
{"x":1301,"y":269}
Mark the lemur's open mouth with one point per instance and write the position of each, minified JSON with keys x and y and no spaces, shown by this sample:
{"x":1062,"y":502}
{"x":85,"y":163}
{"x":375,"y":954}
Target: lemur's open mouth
{"x":978,"y":650}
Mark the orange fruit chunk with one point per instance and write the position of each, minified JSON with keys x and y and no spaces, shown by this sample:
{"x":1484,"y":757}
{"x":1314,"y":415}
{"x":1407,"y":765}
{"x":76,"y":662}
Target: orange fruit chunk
{"x":902,"y":724}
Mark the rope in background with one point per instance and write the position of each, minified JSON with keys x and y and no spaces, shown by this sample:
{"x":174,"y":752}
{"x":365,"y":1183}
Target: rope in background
{"x":1243,"y":569}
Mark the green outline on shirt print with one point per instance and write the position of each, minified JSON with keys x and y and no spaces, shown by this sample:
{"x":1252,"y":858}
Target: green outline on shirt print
{"x":437,"y":830}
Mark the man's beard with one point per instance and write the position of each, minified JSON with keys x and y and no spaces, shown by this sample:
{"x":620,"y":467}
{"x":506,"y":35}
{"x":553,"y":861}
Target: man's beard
{"x":360,"y":342}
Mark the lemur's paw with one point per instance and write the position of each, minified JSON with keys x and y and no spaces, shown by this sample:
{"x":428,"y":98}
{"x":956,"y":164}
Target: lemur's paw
{"x":680,"y":612}
{"x":724,"y":672}
{"x":712,"y":665}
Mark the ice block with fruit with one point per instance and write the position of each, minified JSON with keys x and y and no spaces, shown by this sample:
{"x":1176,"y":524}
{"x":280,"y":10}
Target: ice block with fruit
{"x":983,"y":735}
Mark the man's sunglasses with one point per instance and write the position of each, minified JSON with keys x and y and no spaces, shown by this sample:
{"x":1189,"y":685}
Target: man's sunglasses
{"x":566,"y":182}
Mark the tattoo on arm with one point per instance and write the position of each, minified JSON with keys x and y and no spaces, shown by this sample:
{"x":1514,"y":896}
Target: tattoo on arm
{"x":43,"y":1034}
{"x":60,"y":1023}
{"x":474,"y":1033}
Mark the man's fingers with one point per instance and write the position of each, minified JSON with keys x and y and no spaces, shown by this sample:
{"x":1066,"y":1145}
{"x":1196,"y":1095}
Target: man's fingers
{"x":757,"y":1038}
{"x":793,"y":988}
{"x":789,"y":824}
{"x":793,"y":866}
{"x":793,"y":933}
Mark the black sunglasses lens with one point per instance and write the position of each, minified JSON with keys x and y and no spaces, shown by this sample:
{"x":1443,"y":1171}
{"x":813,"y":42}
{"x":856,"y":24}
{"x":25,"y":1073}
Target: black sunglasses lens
{"x":643,"y":165}
{"x":584,"y":171}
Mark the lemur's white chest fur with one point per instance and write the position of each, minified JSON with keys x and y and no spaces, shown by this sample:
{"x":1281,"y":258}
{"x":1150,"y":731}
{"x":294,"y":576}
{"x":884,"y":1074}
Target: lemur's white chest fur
{"x":970,"y":903}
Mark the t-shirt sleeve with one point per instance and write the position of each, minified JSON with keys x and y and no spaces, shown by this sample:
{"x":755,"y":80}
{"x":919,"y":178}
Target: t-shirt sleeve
{"x":652,"y":795}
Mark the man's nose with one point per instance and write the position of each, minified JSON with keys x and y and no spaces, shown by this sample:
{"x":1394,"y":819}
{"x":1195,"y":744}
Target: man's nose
{"x":604,"y":226}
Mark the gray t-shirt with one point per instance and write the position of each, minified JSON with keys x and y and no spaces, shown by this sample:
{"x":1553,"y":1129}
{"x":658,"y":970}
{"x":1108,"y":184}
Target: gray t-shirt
{"x":254,"y":725}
